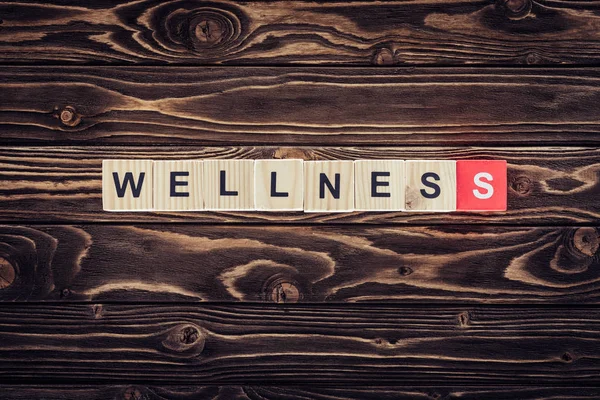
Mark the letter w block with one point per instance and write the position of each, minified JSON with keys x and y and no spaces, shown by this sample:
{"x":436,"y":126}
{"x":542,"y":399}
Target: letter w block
{"x":127,"y":185}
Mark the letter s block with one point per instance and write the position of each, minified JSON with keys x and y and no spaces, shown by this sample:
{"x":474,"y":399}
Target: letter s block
{"x":481,"y":185}
{"x":127,"y":185}
{"x":430,"y":185}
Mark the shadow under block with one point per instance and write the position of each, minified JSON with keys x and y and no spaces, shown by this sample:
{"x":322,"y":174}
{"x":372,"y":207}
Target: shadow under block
{"x":328,"y":186}
{"x":379,"y":185}
{"x":228,"y":185}
{"x":178,"y":186}
{"x":127,"y":185}
{"x":430,"y":185}
{"x":481,"y":185}
{"x":279,"y":185}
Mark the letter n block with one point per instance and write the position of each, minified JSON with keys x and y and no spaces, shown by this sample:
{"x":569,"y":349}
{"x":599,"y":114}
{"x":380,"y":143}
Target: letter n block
{"x":278,"y":185}
{"x":228,"y":185}
{"x":127,"y":185}
{"x":481,"y":185}
{"x":430,"y":185}
{"x":379,"y":185}
{"x":177,"y":186}
{"x":328,"y":186}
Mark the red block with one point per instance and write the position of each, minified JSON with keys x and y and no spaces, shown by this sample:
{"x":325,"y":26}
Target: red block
{"x":481,"y":185}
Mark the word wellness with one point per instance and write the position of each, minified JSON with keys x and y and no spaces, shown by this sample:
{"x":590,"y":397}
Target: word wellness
{"x":310,"y":186}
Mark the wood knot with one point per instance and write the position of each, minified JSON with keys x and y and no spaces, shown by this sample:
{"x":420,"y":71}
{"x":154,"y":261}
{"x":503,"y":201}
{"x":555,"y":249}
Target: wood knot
{"x":284,"y":292}
{"x":586,"y":241}
{"x":567,"y":357}
{"x":521,"y":185}
{"x":383,"y":56}
{"x":209,"y":31}
{"x":284,"y":153}
{"x":464,"y":319}
{"x":405,"y":271}
{"x":97,"y":311}
{"x":533,"y":58}
{"x":515,"y":9}
{"x":69,"y":116}
{"x":184,"y":340}
{"x":7,"y":273}
{"x":134,"y":393}
{"x":206,"y":30}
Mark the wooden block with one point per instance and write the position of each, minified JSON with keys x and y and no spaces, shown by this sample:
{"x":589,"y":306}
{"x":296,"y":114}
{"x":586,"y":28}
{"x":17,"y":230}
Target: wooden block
{"x":278,"y":185}
{"x":328,"y":186}
{"x":177,"y":186}
{"x":430,"y":185}
{"x":379,"y":185}
{"x":481,"y":185}
{"x":127,"y":185}
{"x":228,"y":185}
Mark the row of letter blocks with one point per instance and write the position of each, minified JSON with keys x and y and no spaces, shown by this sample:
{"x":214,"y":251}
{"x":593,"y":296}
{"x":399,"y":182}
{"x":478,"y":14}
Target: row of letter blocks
{"x":297,"y":185}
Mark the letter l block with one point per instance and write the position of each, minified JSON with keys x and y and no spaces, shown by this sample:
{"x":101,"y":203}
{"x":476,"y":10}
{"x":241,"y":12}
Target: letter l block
{"x":228,"y":185}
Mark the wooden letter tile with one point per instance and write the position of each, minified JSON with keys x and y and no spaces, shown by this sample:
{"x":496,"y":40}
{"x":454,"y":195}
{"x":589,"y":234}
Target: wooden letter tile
{"x":328,"y":186}
{"x":177,"y":186}
{"x":278,"y":185}
{"x":430,"y":185}
{"x":228,"y":185}
{"x":127,"y":185}
{"x":379,"y":185}
{"x":481,"y":185}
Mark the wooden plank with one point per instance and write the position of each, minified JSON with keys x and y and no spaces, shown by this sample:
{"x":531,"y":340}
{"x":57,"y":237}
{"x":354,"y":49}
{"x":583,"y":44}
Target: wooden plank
{"x":546,"y":185}
{"x":301,"y":32}
{"x":287,"y":264}
{"x":408,"y":106}
{"x":176,"y":392}
{"x":353,"y":345}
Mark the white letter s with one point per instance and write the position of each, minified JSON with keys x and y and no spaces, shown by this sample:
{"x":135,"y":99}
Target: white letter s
{"x":484,"y":185}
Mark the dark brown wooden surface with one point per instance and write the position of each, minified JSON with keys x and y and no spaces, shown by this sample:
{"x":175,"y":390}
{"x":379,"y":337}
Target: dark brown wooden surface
{"x":495,"y":265}
{"x":142,"y":392}
{"x":321,"y":106}
{"x":521,"y":32}
{"x":256,"y":344}
{"x":546,"y":185}
{"x":144,"y":306}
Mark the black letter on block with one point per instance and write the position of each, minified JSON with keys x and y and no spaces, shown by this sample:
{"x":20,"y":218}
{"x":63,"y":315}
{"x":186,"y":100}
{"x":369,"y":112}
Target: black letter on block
{"x":222,"y":185}
{"x":434,"y":186}
{"x":175,"y":183}
{"x":121,"y":189}
{"x":375,"y":184}
{"x":335,"y":191}
{"x":274,"y":192}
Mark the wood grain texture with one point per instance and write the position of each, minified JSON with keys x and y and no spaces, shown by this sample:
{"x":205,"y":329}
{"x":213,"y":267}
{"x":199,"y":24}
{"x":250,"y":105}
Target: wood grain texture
{"x":355,"y":345}
{"x":177,"y":392}
{"x":408,"y":106}
{"x":286,"y":264}
{"x":546,"y":185}
{"x":301,"y":32}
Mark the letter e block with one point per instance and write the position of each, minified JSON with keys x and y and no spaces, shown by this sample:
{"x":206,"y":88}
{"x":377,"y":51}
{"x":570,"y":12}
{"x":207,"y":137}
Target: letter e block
{"x":430,"y":185}
{"x":328,"y":186}
{"x":481,"y":185}
{"x":177,"y":186}
{"x":127,"y":185}
{"x":278,"y":185}
{"x":228,"y":185}
{"x":379,"y":185}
